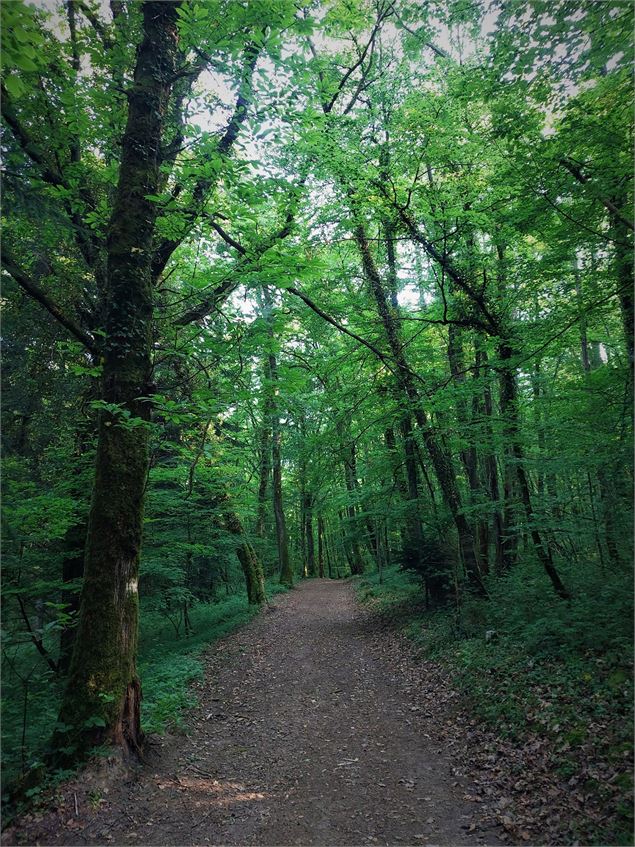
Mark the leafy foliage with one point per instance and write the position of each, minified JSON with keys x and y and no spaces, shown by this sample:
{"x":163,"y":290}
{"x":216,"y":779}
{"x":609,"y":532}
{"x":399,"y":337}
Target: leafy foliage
{"x":387,"y":315}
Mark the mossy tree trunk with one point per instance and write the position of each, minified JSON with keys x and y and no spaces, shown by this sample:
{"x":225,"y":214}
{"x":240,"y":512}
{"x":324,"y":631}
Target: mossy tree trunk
{"x":102,"y":698}
{"x":249,"y":561}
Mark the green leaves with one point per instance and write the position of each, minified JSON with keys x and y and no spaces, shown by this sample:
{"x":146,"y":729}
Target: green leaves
{"x":22,"y":41}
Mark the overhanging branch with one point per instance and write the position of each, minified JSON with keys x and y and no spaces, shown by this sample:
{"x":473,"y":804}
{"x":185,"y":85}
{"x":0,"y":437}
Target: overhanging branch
{"x":36,"y":293}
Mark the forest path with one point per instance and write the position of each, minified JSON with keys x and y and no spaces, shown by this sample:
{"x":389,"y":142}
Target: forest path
{"x":313,"y":728}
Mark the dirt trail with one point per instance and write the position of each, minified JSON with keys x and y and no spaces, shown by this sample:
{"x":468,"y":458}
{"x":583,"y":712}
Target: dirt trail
{"x":312,"y":729}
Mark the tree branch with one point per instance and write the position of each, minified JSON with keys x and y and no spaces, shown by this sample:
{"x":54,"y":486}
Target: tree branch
{"x":338,"y":326}
{"x":381,"y":17}
{"x":249,"y":256}
{"x":30,"y":148}
{"x":491,"y":322}
{"x":36,"y":293}
{"x":576,"y":172}
{"x":96,"y":24}
{"x":36,"y":639}
{"x":203,"y":185}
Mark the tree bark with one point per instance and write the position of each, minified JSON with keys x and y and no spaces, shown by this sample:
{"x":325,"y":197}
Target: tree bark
{"x":102,"y":699}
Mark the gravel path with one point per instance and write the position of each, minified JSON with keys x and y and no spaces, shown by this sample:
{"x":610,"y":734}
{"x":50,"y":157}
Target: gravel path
{"x":312,"y":729}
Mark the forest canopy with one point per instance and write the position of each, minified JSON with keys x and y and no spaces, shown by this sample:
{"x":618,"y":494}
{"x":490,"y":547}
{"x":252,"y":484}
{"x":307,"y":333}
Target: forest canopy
{"x":306,"y":289}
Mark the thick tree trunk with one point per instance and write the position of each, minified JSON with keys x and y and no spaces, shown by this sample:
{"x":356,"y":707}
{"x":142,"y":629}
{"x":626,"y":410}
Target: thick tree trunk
{"x":102,"y":699}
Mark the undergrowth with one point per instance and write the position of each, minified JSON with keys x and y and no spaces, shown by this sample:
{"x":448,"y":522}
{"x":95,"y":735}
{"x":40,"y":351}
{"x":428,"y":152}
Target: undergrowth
{"x":167,"y":666}
{"x":560,"y":670}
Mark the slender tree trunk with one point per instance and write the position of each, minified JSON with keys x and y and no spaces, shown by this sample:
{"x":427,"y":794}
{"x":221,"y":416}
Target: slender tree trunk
{"x":441,"y":462}
{"x":491,"y":473}
{"x":456,"y":361}
{"x":329,"y":550}
{"x":286,"y":571}
{"x":308,"y":534}
{"x":624,"y":274}
{"x":536,"y":386}
{"x":608,"y":501}
{"x":102,"y":699}
{"x":282,"y":540}
{"x":320,"y":531}
{"x":265,"y":453}
{"x":509,"y":413}
{"x":72,"y":569}
{"x":414,"y":535}
{"x":356,"y":560}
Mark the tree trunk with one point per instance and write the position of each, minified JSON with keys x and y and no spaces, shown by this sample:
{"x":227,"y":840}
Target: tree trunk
{"x":491,"y":473}
{"x":265,"y":453}
{"x":286,"y":571}
{"x":249,"y":561}
{"x":413,"y":535}
{"x":456,"y":362}
{"x":320,"y":531}
{"x":624,"y":275}
{"x":607,"y":490}
{"x":102,"y":699}
{"x":308,"y":531}
{"x":72,"y":569}
{"x":441,"y":461}
{"x":511,"y":423}
{"x":356,"y":560}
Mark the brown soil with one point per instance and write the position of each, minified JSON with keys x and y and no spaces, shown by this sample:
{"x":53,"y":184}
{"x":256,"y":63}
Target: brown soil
{"x":314,"y":727}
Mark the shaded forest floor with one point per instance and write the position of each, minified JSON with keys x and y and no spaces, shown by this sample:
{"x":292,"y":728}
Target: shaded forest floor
{"x":317,"y":725}
{"x":313,"y":728}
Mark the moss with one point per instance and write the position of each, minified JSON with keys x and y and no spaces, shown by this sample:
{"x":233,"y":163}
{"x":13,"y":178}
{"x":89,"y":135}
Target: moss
{"x":101,"y":701}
